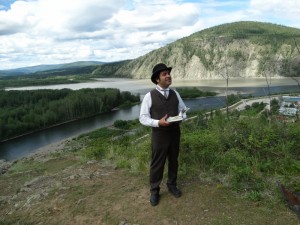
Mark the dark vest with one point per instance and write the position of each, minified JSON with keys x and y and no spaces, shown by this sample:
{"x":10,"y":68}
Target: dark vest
{"x":162,"y":106}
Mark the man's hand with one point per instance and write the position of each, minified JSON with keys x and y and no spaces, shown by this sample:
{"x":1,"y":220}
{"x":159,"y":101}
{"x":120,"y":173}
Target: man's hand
{"x":163,"y":123}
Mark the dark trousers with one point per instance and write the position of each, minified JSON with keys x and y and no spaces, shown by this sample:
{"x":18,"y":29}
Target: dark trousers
{"x":165,"y":145}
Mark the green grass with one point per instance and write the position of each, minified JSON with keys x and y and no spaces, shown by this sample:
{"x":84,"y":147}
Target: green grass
{"x":254,"y":109}
{"x":194,"y":92}
{"x":245,"y":150}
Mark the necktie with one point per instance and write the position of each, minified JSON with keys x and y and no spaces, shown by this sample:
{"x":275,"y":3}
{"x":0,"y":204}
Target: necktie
{"x":165,"y":93}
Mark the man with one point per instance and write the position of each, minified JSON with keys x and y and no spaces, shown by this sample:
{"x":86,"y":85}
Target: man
{"x":157,"y":106}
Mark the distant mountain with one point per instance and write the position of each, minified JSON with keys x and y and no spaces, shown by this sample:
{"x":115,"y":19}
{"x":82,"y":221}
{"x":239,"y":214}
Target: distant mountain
{"x":240,"y":49}
{"x":43,"y":68}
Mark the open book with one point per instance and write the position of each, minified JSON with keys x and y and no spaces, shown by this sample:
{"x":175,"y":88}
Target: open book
{"x":177,"y":118}
{"x":174,"y":119}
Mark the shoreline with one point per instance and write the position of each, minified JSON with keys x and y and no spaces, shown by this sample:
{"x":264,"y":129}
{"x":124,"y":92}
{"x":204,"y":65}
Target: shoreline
{"x":44,"y":151}
{"x":41,"y":154}
{"x":58,"y":146}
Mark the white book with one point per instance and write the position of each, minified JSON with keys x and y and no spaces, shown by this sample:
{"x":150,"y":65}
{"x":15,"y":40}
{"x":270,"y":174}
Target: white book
{"x":177,"y":118}
{"x":174,"y":119}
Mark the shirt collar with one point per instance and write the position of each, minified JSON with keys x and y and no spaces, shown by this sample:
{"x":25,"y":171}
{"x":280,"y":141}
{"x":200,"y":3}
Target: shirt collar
{"x":161,"y":89}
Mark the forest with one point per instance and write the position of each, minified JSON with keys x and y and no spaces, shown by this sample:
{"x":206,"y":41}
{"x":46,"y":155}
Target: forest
{"x":26,"y":111}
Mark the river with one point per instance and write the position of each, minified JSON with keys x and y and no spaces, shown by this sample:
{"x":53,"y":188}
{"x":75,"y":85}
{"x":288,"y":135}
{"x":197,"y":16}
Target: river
{"x":142,"y":85}
{"x":27,"y":144}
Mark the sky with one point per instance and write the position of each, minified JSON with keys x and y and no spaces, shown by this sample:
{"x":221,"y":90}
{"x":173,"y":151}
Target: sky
{"x":39,"y":32}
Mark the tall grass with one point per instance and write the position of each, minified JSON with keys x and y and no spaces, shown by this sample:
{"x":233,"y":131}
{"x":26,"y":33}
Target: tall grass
{"x":249,"y":152}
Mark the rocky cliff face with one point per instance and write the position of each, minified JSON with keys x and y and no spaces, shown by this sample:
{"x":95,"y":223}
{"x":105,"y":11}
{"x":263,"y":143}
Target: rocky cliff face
{"x":243,"y":49}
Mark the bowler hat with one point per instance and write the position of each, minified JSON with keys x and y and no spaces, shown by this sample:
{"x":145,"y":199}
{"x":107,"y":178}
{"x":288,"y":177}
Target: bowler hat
{"x":156,"y":69}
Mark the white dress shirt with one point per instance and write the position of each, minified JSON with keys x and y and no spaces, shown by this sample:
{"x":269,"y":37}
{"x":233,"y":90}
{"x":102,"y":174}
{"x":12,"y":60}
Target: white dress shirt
{"x":145,"y":117}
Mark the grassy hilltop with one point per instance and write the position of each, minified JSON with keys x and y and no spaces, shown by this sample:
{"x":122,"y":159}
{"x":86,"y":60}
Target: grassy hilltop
{"x":228,"y":172}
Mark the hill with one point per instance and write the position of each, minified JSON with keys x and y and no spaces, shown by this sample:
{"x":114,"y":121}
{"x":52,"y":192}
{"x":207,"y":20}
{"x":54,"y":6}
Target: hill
{"x":52,"y":190}
{"x":241,"y":49}
{"x":50,"y":69}
{"x":227,"y":174}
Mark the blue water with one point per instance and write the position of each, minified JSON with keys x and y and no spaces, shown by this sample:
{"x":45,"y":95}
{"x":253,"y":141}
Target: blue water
{"x":291,"y":99}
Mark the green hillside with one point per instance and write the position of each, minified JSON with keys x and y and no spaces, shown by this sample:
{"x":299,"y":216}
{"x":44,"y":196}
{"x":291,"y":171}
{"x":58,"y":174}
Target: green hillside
{"x":250,"y":49}
{"x":257,"y":32}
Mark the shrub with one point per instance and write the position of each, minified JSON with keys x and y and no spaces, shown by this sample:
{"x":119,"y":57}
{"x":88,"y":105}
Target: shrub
{"x":122,"y":124}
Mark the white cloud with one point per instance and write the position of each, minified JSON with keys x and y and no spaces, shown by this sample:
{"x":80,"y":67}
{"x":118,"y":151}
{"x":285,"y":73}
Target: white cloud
{"x":282,"y":12}
{"x":58,"y":31}
{"x":155,"y":17}
{"x":276,"y":5}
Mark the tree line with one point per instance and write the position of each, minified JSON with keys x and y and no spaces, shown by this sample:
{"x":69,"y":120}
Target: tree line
{"x":25,"y":111}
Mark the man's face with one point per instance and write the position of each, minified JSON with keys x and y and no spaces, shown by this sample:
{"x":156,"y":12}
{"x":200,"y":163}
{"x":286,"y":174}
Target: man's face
{"x":165,"y":79}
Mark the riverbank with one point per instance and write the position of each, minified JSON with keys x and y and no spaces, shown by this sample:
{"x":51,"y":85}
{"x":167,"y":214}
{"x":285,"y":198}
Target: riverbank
{"x":56,"y":146}
{"x":43,"y":152}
